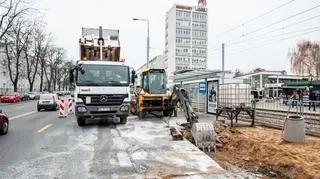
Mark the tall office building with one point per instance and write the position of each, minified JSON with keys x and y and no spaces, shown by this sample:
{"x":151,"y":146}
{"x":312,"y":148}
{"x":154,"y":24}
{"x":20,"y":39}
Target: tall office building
{"x":186,"y":38}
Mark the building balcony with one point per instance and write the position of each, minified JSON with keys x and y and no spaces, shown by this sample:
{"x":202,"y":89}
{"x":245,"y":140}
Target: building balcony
{"x":183,"y":54}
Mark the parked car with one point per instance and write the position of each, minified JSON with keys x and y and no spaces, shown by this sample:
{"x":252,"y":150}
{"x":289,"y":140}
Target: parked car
{"x":24,"y":97}
{"x":60,"y":93}
{"x":4,"y":123}
{"x":11,"y":98}
{"x":48,"y":101}
{"x":32,"y":95}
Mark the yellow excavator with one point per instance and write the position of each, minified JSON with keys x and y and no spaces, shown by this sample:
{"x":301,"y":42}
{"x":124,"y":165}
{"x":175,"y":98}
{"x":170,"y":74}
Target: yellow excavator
{"x":153,"y":95}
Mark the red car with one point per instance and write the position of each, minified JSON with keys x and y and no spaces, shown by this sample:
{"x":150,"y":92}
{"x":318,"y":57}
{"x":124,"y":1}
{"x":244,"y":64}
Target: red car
{"x":11,"y":98}
{"x":4,"y":123}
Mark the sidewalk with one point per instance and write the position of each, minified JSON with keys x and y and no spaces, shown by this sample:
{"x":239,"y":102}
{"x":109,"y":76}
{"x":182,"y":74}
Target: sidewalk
{"x":161,"y":157}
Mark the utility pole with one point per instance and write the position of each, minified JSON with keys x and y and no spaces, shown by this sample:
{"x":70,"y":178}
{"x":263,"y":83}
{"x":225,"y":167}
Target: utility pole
{"x":148,"y":38}
{"x":222,"y":63}
{"x":148,"y":47}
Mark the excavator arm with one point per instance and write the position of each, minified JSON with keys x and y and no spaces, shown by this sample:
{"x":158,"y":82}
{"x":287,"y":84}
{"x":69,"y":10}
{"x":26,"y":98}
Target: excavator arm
{"x":203,"y":133}
{"x":180,"y":96}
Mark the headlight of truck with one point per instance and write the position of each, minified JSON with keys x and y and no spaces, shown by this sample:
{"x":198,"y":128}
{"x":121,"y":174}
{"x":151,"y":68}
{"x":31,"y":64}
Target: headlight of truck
{"x":126,"y":100}
{"x":82,"y":109}
{"x":124,"y":108}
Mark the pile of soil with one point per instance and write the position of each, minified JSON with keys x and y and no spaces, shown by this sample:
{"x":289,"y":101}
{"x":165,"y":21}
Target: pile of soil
{"x":262,"y":150}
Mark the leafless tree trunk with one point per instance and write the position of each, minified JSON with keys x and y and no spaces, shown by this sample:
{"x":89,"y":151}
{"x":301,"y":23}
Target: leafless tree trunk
{"x":10,"y":10}
{"x":34,"y":52}
{"x":15,"y":43}
{"x":55,"y":59}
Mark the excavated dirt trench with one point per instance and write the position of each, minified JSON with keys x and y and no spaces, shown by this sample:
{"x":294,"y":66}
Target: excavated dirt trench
{"x":262,"y":151}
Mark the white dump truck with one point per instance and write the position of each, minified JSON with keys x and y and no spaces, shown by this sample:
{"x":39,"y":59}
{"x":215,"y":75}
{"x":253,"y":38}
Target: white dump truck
{"x":101,"y":78}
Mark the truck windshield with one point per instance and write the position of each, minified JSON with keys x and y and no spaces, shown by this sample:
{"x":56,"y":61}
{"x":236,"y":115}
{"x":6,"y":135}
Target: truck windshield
{"x":103,"y":75}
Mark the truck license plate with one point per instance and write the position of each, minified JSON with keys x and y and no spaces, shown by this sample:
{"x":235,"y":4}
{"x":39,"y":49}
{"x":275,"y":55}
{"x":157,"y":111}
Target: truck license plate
{"x":104,"y":109}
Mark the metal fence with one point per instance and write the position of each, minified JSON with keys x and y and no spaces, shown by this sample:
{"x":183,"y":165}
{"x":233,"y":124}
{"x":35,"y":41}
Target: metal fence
{"x":273,"y":112}
{"x":307,"y":107}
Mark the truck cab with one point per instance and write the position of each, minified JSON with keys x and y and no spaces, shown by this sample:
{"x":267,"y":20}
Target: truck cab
{"x":101,"y":78}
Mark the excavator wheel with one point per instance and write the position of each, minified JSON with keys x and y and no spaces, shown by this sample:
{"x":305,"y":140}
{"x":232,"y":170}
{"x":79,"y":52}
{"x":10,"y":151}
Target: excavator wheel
{"x":168,"y":112}
{"x":204,"y":136}
{"x":141,"y":114}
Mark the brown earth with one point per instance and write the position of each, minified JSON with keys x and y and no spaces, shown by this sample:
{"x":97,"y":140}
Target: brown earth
{"x":263,"y":150}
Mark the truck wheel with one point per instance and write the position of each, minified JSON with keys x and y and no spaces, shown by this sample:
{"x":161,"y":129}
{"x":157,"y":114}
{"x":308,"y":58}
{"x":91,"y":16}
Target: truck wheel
{"x":123,"y":120}
{"x":168,"y":112}
{"x":81,"y":121}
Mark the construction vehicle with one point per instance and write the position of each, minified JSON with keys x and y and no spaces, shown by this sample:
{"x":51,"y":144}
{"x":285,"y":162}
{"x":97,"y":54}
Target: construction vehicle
{"x":153,"y":95}
{"x":101,"y":78}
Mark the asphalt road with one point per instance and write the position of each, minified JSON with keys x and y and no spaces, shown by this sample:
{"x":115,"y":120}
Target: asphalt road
{"x":41,"y":145}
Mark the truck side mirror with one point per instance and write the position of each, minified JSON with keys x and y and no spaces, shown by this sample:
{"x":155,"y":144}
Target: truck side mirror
{"x":133,"y":76}
{"x":71,"y":76}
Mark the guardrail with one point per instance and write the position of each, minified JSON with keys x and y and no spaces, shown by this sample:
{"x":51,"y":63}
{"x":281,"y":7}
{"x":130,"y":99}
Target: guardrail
{"x":308,"y":107}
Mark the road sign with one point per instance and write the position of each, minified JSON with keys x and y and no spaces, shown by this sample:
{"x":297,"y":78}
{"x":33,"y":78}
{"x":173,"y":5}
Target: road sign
{"x":202,"y":87}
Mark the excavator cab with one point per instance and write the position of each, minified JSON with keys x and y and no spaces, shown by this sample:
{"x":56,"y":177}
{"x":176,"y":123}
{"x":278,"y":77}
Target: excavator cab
{"x":153,"y":95}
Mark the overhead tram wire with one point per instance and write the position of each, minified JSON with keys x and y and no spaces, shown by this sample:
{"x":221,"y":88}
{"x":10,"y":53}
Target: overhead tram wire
{"x":275,"y":41}
{"x":218,"y":47}
{"x":255,"y":18}
{"x":274,"y":23}
{"x":277,"y":35}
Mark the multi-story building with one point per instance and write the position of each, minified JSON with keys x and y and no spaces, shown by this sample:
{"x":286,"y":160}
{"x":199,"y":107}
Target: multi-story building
{"x":186,"y":38}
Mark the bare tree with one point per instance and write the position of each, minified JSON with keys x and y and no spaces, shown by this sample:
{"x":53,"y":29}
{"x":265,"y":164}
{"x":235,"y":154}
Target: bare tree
{"x":35,"y":49}
{"x":64,"y":74}
{"x":15,"y":42}
{"x":10,"y":10}
{"x":306,"y":58}
{"x":54,"y":60}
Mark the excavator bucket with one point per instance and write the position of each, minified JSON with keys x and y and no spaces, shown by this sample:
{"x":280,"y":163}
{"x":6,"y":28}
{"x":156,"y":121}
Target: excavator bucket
{"x":204,"y":136}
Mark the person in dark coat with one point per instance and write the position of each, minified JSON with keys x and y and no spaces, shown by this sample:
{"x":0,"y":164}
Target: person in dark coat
{"x":312,"y":99}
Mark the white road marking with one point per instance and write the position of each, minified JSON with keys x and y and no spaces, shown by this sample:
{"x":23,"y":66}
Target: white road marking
{"x":124,"y":159}
{"x":21,"y":115}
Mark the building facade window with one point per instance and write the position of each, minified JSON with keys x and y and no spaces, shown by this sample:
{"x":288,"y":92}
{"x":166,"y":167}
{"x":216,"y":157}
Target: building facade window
{"x":182,"y":41}
{"x":199,"y":25}
{"x":183,"y":14}
{"x":199,"y":42}
{"x":183,"y":23}
{"x":180,"y":31}
{"x":199,"y":33}
{"x":199,"y":16}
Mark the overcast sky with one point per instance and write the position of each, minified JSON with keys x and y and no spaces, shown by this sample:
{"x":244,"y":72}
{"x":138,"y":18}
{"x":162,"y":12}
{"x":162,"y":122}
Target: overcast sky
{"x":66,"y":17}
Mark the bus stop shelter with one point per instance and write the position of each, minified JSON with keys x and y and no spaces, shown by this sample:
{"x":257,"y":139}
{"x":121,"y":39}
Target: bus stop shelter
{"x":202,"y":87}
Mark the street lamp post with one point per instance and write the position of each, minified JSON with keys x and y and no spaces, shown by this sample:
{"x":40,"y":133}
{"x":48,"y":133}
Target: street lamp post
{"x":148,"y":38}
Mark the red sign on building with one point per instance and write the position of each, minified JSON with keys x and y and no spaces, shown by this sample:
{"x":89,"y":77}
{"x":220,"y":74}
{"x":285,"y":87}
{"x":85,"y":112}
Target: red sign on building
{"x":183,"y":7}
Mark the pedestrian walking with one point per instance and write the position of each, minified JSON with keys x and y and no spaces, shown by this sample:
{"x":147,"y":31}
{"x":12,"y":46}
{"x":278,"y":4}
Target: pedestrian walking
{"x":312,"y":100}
